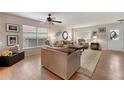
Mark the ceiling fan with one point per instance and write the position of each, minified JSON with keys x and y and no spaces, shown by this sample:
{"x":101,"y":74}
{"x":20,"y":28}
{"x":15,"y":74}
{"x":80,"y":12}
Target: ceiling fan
{"x":52,"y":20}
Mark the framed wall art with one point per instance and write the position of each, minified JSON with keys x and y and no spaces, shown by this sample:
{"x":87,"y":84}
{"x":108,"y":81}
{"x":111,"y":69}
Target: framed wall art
{"x":12,"y":27}
{"x":102,"y":30}
{"x":114,"y":34}
{"x":65,"y":35}
{"x":12,"y":40}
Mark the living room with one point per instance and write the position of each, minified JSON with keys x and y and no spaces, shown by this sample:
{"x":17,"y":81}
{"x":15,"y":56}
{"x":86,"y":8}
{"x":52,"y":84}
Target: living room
{"x":98,"y":36}
{"x":61,"y":46}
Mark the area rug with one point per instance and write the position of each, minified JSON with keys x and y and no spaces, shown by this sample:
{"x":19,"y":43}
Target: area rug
{"x":89,"y":60}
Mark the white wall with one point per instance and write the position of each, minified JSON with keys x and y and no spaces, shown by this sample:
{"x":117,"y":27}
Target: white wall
{"x":5,"y":18}
{"x":101,"y":39}
{"x":59,"y":34}
{"x":105,"y":41}
{"x":53,"y":32}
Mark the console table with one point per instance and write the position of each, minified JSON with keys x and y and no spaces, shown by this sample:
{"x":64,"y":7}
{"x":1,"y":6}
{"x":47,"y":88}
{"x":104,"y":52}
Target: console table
{"x":10,"y":60}
{"x":95,"y":46}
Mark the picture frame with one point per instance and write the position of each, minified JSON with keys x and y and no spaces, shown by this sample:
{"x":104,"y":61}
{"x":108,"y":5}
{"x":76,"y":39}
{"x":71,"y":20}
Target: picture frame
{"x":114,"y":34}
{"x":12,"y":40}
{"x":94,"y":33}
{"x":102,"y":30}
{"x":65,"y":35}
{"x":12,"y":27}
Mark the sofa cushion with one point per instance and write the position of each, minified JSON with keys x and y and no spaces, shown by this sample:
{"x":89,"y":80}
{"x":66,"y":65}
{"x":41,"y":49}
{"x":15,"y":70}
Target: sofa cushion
{"x":63,"y":49}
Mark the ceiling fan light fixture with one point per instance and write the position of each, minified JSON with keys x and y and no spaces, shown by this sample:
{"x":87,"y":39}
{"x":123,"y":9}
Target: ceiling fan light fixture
{"x":50,"y":19}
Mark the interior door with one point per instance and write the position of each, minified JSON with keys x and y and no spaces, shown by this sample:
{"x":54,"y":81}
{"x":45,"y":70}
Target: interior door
{"x":115,"y":38}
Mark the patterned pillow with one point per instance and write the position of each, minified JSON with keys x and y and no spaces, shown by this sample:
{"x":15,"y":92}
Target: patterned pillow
{"x":14,"y":49}
{"x":58,"y":44}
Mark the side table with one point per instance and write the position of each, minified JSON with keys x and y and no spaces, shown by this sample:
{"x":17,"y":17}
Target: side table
{"x":95,"y":46}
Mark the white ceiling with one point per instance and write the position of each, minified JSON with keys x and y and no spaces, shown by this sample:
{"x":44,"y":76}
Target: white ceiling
{"x":76,"y":19}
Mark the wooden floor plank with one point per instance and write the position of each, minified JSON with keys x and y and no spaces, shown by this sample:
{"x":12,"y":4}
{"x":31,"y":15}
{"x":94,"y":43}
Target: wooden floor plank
{"x":110,"y":66}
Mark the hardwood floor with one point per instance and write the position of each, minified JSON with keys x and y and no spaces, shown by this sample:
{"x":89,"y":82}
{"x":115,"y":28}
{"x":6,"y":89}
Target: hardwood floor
{"x":110,"y":66}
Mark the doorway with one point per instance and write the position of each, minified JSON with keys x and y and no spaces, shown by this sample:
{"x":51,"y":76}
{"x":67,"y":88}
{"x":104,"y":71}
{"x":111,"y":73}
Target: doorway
{"x":115,"y":39}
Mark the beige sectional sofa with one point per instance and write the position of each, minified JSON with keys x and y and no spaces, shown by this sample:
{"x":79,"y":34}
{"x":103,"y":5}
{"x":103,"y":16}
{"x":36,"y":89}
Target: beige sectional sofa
{"x":63,"y":64}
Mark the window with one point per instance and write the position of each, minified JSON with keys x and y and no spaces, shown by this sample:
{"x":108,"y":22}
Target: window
{"x":42,"y":35}
{"x":29,"y":36}
{"x":33,"y":36}
{"x":84,"y":34}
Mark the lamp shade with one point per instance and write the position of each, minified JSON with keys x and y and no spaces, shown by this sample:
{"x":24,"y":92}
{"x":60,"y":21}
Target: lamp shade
{"x":94,"y":37}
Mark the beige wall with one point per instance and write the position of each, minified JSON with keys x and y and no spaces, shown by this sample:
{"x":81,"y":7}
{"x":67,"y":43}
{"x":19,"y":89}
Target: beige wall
{"x":6,"y":18}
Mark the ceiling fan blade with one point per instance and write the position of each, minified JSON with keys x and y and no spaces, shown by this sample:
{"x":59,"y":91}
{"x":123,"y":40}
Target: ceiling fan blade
{"x":42,"y":20}
{"x":56,"y":21}
{"x":50,"y":20}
